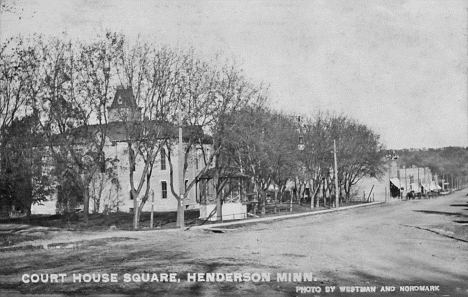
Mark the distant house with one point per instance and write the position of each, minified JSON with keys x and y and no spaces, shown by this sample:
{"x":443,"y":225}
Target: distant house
{"x":114,"y":194}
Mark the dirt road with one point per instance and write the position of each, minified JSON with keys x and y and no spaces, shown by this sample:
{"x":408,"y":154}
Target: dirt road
{"x":417,"y":245}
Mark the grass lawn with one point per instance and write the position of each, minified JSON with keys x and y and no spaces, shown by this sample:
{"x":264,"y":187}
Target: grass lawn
{"x":164,"y":220}
{"x":40,"y":226}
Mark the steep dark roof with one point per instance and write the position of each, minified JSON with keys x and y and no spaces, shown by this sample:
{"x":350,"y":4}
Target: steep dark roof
{"x":124,"y":99}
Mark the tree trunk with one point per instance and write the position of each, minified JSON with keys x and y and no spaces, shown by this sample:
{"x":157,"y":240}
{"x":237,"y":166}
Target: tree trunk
{"x":147,"y":191}
{"x":140,"y":207}
{"x":294,"y":192}
{"x":276,"y":201}
{"x":315,"y":198}
{"x":219,"y":200}
{"x":28,"y":213}
{"x":136,"y":218}
{"x":219,"y":208}
{"x":85,"y":204}
{"x":290,"y":203}
{"x":300,"y":194}
{"x":263,"y":204}
{"x":180,"y":213}
{"x":324,"y":194}
{"x":347,"y":189}
{"x":139,"y":210}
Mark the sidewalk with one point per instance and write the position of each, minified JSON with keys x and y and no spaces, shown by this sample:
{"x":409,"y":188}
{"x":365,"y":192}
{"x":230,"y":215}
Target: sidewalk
{"x":282,"y":217}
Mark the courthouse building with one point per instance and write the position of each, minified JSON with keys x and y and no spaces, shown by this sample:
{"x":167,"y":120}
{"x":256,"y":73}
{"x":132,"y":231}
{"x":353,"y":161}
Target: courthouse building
{"x":115,"y":194}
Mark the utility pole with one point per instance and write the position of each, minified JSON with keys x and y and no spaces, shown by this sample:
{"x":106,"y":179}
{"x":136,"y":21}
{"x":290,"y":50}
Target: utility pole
{"x":425,"y":182}
{"x":152,"y":209}
{"x":406,"y":181}
{"x":419,"y":183}
{"x":180,"y":212}
{"x":443,"y":182}
{"x":389,"y":180}
{"x":337,"y":194}
{"x":390,"y":157}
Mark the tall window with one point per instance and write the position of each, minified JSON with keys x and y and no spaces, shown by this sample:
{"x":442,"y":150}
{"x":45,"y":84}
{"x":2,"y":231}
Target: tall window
{"x":163,"y":159}
{"x":164,"y":190}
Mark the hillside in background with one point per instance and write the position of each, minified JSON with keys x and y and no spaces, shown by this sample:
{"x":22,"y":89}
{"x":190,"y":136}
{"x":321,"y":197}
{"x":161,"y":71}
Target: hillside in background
{"x":442,"y":161}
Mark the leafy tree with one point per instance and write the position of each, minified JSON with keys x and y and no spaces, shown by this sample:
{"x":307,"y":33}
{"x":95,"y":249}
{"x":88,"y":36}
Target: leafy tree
{"x":281,"y":135}
{"x":316,"y":158}
{"x":263,"y":145}
{"x":359,"y":152}
{"x":23,"y":181}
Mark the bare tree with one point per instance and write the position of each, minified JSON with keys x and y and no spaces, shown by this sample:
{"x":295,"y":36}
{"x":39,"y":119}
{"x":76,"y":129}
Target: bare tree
{"x":208,"y":94}
{"x":75,"y":92}
{"x":151,"y":74}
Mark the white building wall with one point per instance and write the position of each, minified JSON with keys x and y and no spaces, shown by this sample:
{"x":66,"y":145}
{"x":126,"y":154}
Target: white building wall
{"x":46,"y":207}
{"x":377,"y":188}
{"x":231,"y":211}
{"x":120,"y":151}
{"x":118,"y":199}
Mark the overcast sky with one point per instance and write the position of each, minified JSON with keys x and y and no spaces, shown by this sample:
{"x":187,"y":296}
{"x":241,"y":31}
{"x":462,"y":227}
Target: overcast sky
{"x":396,"y":66}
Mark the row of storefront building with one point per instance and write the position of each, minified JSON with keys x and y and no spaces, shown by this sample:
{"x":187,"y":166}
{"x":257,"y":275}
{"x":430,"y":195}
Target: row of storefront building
{"x":404,"y":182}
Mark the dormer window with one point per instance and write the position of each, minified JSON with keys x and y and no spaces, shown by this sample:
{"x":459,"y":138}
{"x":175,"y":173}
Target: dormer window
{"x":119,"y":100}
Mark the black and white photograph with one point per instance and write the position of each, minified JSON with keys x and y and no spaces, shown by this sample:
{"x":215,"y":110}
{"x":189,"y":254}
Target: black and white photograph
{"x":233,"y":148}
